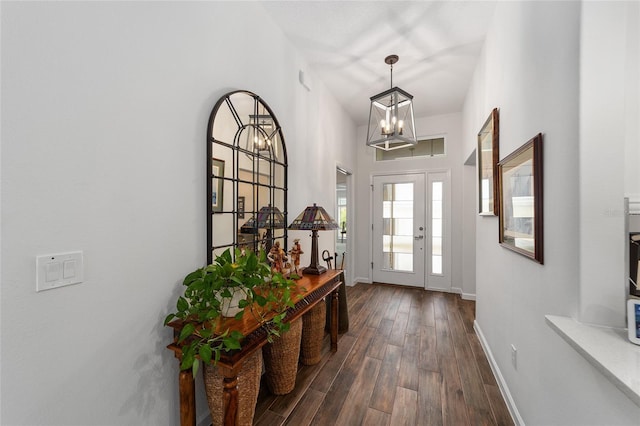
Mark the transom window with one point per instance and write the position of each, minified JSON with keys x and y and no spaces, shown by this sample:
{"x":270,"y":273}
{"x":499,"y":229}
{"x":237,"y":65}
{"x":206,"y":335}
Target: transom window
{"x":425,"y":148}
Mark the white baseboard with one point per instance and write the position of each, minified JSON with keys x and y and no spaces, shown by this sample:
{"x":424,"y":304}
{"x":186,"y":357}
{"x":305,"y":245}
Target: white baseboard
{"x":502,"y":384}
{"x":468,"y":296}
{"x":364,"y":280}
{"x":443,"y":290}
{"x":465,"y":296}
{"x":458,"y":290}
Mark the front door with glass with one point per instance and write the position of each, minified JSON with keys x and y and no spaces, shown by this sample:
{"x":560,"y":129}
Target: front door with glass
{"x":399,"y":229}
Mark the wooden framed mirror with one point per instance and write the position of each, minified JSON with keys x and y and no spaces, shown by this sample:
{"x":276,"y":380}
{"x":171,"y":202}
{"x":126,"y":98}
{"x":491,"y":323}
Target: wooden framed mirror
{"x":521,"y":201}
{"x":246,"y":176}
{"x":488,"y":155}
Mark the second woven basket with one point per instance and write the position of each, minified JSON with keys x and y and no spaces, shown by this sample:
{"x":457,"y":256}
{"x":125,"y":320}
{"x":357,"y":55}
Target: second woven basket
{"x":281,"y":360}
{"x":313,"y":334}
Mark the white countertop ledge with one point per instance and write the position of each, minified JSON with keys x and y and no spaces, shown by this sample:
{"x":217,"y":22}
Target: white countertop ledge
{"x":608,"y":349}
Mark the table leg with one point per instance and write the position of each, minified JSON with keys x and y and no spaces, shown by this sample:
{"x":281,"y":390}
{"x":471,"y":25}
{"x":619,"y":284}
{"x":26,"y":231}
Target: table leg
{"x":187,"y":391}
{"x":334,"y":320}
{"x":230,"y":394}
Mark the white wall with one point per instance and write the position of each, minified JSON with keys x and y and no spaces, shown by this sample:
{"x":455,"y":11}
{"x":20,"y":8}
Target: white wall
{"x":325,"y":136}
{"x":607,"y":91}
{"x":448,"y":125}
{"x":104,"y":114}
{"x":530,"y":69}
{"x":632,"y":95}
{"x":469,"y":210}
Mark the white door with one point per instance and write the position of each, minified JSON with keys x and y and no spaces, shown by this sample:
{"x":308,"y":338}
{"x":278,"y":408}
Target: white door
{"x":399,"y":229}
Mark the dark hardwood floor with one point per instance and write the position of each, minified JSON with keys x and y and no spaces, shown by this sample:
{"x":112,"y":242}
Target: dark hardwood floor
{"x":410,"y":357}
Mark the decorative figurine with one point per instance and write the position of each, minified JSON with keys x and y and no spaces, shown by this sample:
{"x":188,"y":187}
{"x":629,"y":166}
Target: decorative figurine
{"x":277,"y":257}
{"x":295,"y":253}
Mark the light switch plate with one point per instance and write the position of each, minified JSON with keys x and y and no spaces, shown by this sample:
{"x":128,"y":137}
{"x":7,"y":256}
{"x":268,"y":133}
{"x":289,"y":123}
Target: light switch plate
{"x":58,"y":270}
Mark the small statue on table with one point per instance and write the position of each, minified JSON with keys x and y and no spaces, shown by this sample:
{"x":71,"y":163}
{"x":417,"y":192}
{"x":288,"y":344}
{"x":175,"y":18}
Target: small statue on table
{"x":277,"y":257}
{"x":295,"y":253}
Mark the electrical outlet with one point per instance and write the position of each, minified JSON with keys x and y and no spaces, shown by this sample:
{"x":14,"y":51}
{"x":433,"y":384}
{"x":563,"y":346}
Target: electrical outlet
{"x":514,"y":356}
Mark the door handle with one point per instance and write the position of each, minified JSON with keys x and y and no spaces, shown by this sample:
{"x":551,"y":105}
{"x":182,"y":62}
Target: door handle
{"x":418,"y":237}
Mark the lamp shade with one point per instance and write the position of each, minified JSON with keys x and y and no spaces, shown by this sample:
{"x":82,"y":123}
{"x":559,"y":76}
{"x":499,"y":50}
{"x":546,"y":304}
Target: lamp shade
{"x":269,"y":217}
{"x":250,"y":226}
{"x":314,"y":218}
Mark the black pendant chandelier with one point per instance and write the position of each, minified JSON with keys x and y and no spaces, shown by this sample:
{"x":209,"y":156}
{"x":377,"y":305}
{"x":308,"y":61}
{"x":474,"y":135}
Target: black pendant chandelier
{"x":259,"y":134}
{"x":391,"y":123}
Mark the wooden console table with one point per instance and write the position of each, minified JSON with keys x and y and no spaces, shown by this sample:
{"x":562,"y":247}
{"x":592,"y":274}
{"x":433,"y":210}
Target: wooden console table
{"x":317,"y":288}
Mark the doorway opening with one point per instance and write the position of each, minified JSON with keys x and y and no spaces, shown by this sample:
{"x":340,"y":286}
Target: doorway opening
{"x":343,"y":178}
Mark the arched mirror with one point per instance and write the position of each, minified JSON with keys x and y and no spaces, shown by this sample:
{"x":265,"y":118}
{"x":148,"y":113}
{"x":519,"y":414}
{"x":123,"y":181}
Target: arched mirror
{"x":247,"y":176}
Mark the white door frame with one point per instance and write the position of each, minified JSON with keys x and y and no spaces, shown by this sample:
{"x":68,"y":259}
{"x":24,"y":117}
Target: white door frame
{"x":349,"y":261}
{"x":432,"y":282}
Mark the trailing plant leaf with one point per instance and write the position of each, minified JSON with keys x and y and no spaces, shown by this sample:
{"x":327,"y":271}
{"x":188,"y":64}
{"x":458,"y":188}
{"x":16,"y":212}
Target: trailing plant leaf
{"x":235,"y":334}
{"x":195,"y":275}
{"x":182,"y":304}
{"x":224,"y":257}
{"x":213,"y":313}
{"x":169,"y":318}
{"x":260,"y":300}
{"x":188,"y":358}
{"x":186,"y":331}
{"x":230,"y":343}
{"x":252,"y":262}
{"x":205,"y":353}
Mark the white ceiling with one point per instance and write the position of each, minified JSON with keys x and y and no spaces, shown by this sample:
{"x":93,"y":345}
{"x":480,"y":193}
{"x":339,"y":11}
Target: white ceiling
{"x":345,"y":43}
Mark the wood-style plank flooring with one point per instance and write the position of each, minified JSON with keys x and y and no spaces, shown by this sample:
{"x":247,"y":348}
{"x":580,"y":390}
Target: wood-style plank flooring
{"x":410,"y":357}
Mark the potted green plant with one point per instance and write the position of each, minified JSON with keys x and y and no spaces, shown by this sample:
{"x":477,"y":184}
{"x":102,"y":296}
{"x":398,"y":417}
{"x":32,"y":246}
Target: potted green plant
{"x":247,"y":282}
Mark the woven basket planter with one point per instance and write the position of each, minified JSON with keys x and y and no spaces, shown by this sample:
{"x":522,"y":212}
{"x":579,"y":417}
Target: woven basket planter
{"x":281,"y":360}
{"x":248,"y":388}
{"x":312,"y":334}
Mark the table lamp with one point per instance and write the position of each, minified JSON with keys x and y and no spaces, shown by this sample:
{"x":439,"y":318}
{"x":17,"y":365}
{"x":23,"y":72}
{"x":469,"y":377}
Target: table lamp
{"x":314,"y":218}
{"x":269,"y":217}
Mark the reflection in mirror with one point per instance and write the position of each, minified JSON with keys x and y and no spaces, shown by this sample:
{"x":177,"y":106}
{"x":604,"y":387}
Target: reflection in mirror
{"x":247,"y":187}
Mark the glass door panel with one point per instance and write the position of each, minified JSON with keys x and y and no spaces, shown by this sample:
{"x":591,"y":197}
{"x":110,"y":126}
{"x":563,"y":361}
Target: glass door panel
{"x":439,"y":231}
{"x":397,"y":212}
{"x":436,"y":227}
